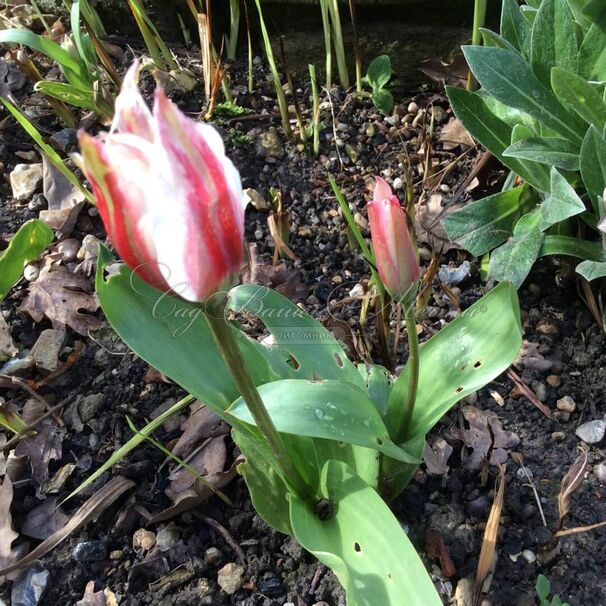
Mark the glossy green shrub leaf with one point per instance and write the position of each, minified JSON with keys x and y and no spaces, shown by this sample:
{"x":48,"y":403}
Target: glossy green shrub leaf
{"x":553,"y":151}
{"x":26,"y":245}
{"x":173,"y":336}
{"x":464,"y":356}
{"x":554,"y":41}
{"x":309,"y":350}
{"x":593,"y":167}
{"x":576,"y":93}
{"x":490,"y":130}
{"x":592,"y":270}
{"x":561,"y":204}
{"x":506,"y":75}
{"x":363,"y":543}
{"x":332,"y":410}
{"x":485,"y":224}
{"x":592,"y":54}
{"x":515,"y":28}
{"x":513,"y":261}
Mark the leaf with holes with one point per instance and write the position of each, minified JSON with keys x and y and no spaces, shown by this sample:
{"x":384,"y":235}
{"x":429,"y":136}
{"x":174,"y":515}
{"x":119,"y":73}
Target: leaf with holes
{"x":363,"y":543}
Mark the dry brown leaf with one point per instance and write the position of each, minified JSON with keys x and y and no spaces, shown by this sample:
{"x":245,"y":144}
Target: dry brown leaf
{"x":42,"y":521}
{"x":436,"y":549}
{"x":489,"y":542}
{"x":65,"y":201}
{"x":202,"y":423}
{"x":436,"y":457}
{"x":454,"y":134}
{"x":93,"y":507}
{"x":7,"y":535}
{"x":7,"y":347}
{"x":92,"y":597}
{"x":453,"y":72}
{"x":429,"y":227}
{"x":571,"y":482}
{"x":485,"y":439}
{"x":63,"y":297}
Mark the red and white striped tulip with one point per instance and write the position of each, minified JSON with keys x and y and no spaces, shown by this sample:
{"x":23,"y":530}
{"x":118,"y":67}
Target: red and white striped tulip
{"x":170,"y":199}
{"x":394,"y":251}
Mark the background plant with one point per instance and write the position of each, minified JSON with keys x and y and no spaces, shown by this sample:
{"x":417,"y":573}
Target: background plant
{"x":377,"y":77}
{"x":541,"y":111}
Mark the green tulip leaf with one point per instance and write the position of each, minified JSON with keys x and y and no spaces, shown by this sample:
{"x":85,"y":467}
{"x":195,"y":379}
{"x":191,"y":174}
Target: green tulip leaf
{"x":26,"y":245}
{"x":333,"y":410}
{"x":363,"y":543}
{"x":377,"y":383}
{"x":464,"y":356}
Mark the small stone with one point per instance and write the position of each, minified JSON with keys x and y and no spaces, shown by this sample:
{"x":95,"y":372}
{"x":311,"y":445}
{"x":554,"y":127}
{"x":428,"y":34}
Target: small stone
{"x":464,"y":592}
{"x":230,"y":578}
{"x":144,"y":539}
{"x":65,"y":140}
{"x":25,"y":180}
{"x":562,"y":416}
{"x":89,"y":406}
{"x":167,"y":537}
{"x":213,"y":556}
{"x":566,"y":403}
{"x":529,"y":556}
{"x":592,"y":432}
{"x":370,"y":131}
{"x":341,"y":126}
{"x":361,"y":220}
{"x":439,"y":114}
{"x":90,"y":551}
{"x":31,"y":272}
{"x":69,"y":249}
{"x":258,"y":234}
{"x":413,"y":108}
{"x":525,"y":473}
{"x":600,"y":471}
{"x":540,"y":389}
{"x":547,"y":327}
{"x":37,"y":203}
{"x":29,"y":586}
{"x":45,"y":351}
{"x":398,"y":183}
{"x":116,"y":554}
{"x":271,"y":587}
{"x":558,"y":436}
{"x":554,"y":380}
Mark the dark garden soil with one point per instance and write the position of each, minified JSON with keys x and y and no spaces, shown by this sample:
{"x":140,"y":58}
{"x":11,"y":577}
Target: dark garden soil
{"x":179,"y":562}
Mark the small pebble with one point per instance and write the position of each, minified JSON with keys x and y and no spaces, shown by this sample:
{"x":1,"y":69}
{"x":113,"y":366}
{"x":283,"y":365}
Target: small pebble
{"x":566,"y":403}
{"x":116,"y":554}
{"x":558,"y":436}
{"x":592,"y":432}
{"x":90,"y":551}
{"x":38,"y":202}
{"x":529,"y":556}
{"x":413,"y":108}
{"x":230,"y":578}
{"x":554,"y":380}
{"x":213,"y":556}
{"x":167,"y":537}
{"x":31,"y":272}
{"x":398,"y":183}
{"x":600,"y":471}
{"x":144,"y":539}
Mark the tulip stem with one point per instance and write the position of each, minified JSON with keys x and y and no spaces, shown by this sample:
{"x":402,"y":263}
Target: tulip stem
{"x":413,"y":363}
{"x":228,"y":346}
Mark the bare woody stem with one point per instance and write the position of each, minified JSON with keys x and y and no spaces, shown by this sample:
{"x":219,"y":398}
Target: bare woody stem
{"x":228,"y":346}
{"x":413,"y":363}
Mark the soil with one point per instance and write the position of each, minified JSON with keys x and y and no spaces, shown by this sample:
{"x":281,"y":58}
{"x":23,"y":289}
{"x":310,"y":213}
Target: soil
{"x":357,"y":144}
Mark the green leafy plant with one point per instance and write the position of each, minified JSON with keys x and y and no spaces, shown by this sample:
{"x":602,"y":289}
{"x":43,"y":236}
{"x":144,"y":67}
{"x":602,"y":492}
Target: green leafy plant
{"x":333,"y":35}
{"x":543,"y":589}
{"x":541,"y":111}
{"x":377,"y":77}
{"x":234,"y":26}
{"x":26,"y":245}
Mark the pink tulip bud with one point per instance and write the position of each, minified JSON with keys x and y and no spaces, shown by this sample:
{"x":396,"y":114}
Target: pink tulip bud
{"x":170,"y":199}
{"x":394,"y":251}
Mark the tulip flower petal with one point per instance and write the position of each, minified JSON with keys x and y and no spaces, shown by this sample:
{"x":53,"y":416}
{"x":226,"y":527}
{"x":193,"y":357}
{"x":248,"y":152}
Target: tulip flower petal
{"x":131,"y":112}
{"x":382,"y":190}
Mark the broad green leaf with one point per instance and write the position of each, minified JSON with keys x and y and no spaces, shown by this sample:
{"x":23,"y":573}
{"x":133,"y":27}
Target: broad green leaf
{"x":490,"y":38}
{"x":312,"y":352}
{"x":383,"y":100}
{"x":26,"y":245}
{"x":561,"y":204}
{"x":74,"y":71}
{"x":543,"y":587}
{"x":572,"y":247}
{"x":482,"y":225}
{"x":464,"y":356}
{"x":592,"y":55}
{"x":53,"y":157}
{"x":539,"y":172}
{"x":553,"y":151}
{"x":363,"y":543}
{"x":506,"y":76}
{"x":379,"y":71}
{"x":593,"y":168}
{"x":332,"y":410}
{"x":489,"y":130}
{"x":554,"y":41}
{"x":70,"y":94}
{"x":580,"y":96}
{"x":509,"y":114}
{"x":377,"y":383}
{"x":513,"y":261}
{"x":267,"y":490}
{"x":515,"y":28}
{"x":173,"y":336}
{"x":592,"y":270}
